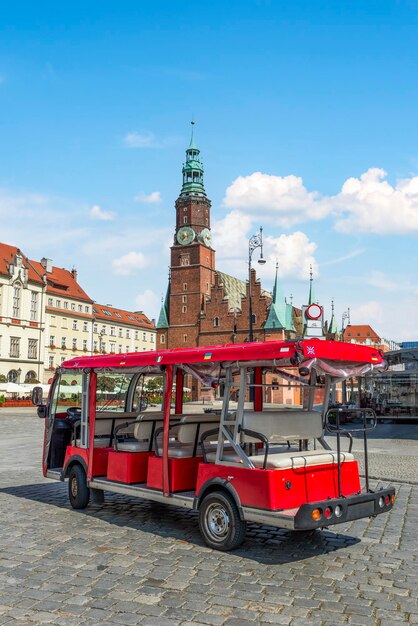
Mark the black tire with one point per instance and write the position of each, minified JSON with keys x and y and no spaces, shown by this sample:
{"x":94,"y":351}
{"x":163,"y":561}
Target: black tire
{"x":78,"y":491}
{"x":220,"y":523}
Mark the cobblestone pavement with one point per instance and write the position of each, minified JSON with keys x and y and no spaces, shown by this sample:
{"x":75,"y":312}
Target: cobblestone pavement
{"x":133,"y":562}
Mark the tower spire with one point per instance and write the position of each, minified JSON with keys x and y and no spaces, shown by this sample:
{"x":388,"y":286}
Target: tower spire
{"x":193,"y":170}
{"x":333,"y":329}
{"x":311,"y":299}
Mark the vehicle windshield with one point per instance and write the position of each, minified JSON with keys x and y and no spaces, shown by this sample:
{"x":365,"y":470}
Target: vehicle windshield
{"x":112,"y":391}
{"x":67,"y":392}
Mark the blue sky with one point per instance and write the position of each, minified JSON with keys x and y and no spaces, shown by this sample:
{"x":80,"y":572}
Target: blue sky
{"x":306,"y":121}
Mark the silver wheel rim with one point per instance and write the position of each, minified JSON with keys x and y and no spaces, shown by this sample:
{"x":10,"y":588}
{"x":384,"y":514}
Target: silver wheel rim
{"x":74,"y":487}
{"x":217,"y":522}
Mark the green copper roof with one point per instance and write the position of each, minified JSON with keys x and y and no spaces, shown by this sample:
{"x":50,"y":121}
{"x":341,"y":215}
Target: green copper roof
{"x":311,"y":289}
{"x":280,"y":315}
{"x":165,"y":311}
{"x":193,"y":170}
{"x":333,"y":328}
{"x":235,"y":290}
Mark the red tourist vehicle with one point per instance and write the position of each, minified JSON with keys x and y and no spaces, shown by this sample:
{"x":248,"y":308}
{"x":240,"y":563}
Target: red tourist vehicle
{"x":252,"y":460}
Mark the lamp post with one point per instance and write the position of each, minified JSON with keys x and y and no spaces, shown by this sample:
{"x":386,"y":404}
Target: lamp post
{"x":256,"y":241}
{"x":18,"y":372}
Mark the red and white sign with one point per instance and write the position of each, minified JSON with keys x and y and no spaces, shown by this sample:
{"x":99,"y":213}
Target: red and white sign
{"x":314,"y":311}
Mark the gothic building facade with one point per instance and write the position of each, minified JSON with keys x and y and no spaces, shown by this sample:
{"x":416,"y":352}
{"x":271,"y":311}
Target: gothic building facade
{"x":204,"y":306}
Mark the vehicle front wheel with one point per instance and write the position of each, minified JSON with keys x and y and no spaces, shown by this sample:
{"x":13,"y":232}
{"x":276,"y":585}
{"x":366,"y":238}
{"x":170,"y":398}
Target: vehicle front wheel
{"x":78,"y":491}
{"x":220,"y":522}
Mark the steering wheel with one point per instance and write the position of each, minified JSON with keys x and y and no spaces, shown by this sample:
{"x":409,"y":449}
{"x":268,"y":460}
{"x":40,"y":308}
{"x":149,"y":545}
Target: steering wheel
{"x":74,"y":413}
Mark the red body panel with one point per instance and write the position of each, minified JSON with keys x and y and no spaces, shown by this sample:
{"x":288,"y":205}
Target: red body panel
{"x":128,"y":467}
{"x":266,"y":489}
{"x":182,"y":472}
{"x":100,"y":456}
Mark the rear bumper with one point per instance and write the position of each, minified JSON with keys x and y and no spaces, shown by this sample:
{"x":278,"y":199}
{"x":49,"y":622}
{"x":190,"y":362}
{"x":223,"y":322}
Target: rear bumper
{"x":350,"y":508}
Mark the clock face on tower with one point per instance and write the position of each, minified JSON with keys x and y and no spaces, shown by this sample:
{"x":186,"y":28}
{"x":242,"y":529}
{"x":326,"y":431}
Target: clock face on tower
{"x":205,"y":237}
{"x":185,"y":235}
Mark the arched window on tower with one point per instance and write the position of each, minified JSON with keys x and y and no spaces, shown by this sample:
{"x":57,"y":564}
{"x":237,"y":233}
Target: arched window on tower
{"x":254,"y":318}
{"x":216,"y":322}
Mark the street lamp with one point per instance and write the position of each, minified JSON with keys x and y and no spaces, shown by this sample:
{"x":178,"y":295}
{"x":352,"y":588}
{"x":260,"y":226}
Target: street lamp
{"x":18,"y":372}
{"x":256,"y":241}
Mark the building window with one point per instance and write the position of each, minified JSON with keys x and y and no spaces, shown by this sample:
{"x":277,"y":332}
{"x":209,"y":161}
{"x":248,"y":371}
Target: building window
{"x":72,"y":306}
{"x":207,"y":287}
{"x":254,"y":318}
{"x":184,"y":309}
{"x":12,"y":376}
{"x":136,"y":335}
{"x":185,"y":219}
{"x":120,"y":349}
{"x":216,"y":322}
{"x":63,"y":343}
{"x":112,"y":348}
{"x":84,"y":344}
{"x":95,"y":346}
{"x":103,"y":330}
{"x":65,"y":304}
{"x":58,"y":304}
{"x":127,"y":348}
{"x":185,"y":338}
{"x":185,"y":259}
{"x":120,"y":332}
{"x":136,"y":348}
{"x":17,"y":294}
{"x":74,"y":344}
{"x":52,"y":340}
{"x":50,"y":302}
{"x":33,"y":305}
{"x":95,"y":328}
{"x":51,"y":362}
{"x":112,"y":331}
{"x":184,"y":286}
{"x":144,"y":336}
{"x":32,"y":348}
{"x":53,"y":321}
{"x":162,"y":339}
{"x":127,"y":333}
{"x":64,"y":322}
{"x":80,"y":308}
{"x":184,"y":298}
{"x":14,"y":346}
{"x":85,"y":327}
{"x":75,"y":324}
{"x":30,"y":376}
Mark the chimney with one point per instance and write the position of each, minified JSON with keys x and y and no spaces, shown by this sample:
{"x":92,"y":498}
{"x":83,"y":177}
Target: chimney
{"x":47,"y":265}
{"x":74,"y":273}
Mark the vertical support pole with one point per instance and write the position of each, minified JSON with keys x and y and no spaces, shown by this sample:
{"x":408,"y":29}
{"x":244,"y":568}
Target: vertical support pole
{"x":92,"y":421}
{"x":258,"y":390}
{"x":168,"y":379}
{"x":338,"y":413}
{"x":179,"y":391}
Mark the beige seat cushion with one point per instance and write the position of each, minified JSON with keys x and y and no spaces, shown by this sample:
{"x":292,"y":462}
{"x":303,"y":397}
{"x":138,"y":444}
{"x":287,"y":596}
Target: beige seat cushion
{"x":133,"y":446}
{"x":292,"y":460}
{"x":99,"y":442}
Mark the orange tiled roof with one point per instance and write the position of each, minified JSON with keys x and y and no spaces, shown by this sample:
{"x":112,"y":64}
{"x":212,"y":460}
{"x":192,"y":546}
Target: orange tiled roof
{"x":7,"y":256}
{"x":360,"y":333}
{"x":61,"y":282}
{"x":119,"y":316}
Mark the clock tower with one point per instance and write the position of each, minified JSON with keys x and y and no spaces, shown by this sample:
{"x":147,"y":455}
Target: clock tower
{"x":192,"y":262}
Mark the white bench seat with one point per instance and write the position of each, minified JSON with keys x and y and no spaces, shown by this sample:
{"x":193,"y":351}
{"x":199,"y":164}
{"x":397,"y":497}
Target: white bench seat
{"x":296,"y":460}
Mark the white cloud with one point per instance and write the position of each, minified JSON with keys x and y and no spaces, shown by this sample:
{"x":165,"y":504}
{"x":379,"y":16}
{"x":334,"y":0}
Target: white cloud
{"x":369,"y":204}
{"x":283,"y":199}
{"x":230,"y":235}
{"x":379,"y":280}
{"x":129,"y":263}
{"x":370,"y":312}
{"x":96,"y":213}
{"x":149,"y":302}
{"x":294,"y":253}
{"x":149,"y":198}
{"x":145,"y":139}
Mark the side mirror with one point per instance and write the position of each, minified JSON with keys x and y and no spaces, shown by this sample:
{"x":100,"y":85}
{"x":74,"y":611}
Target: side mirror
{"x":42,"y":411}
{"x":37,"y":394}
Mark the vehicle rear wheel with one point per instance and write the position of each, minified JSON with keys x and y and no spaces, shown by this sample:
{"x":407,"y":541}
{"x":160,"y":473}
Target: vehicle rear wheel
{"x":78,"y":491}
{"x":220,"y":522}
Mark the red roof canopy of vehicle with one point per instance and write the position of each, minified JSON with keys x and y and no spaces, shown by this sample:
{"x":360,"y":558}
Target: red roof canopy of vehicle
{"x":306,"y":350}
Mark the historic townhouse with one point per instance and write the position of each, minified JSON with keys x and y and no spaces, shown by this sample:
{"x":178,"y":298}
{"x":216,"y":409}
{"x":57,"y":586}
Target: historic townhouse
{"x":22,"y":317}
{"x":117,"y":331}
{"x":47,"y":318}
